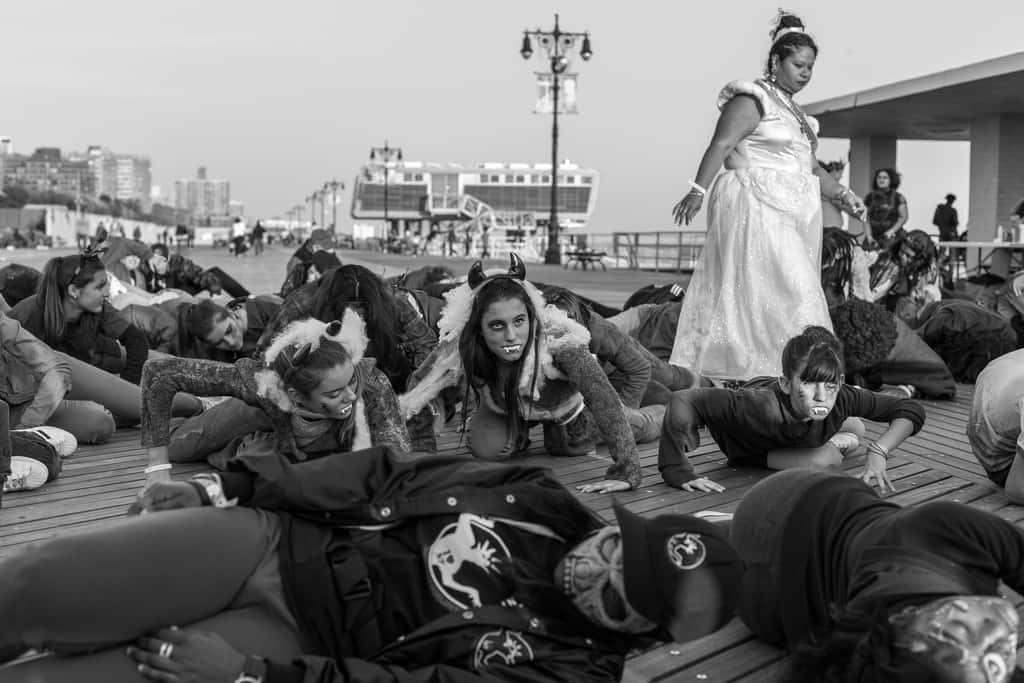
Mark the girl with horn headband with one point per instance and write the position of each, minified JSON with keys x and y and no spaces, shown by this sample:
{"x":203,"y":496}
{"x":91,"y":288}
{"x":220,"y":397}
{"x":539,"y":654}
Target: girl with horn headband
{"x":313,"y":389}
{"x":526,"y":362}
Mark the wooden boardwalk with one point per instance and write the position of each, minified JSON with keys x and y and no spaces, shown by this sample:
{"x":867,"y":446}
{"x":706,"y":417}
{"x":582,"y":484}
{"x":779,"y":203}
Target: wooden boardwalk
{"x":99,"y":482}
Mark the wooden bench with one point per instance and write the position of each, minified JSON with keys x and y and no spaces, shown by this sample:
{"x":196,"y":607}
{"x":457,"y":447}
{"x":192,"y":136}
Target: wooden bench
{"x":585,"y":258}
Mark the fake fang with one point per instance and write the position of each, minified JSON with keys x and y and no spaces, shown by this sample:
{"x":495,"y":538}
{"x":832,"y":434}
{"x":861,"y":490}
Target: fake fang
{"x":514,"y":348}
{"x":819,"y":411}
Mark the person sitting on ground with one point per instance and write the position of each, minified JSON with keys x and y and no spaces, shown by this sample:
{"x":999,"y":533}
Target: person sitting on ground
{"x":157,"y":324}
{"x":18,"y":282}
{"x":319,"y":240}
{"x":846,"y":269}
{"x":70,"y":313}
{"x":996,"y":421}
{"x":524,"y":362}
{"x":967,"y":336}
{"x":30,"y":458}
{"x":880,"y":349}
{"x":313,"y":387}
{"x":1010,"y":305}
{"x":862,"y":589}
{"x":807,"y":418}
{"x":400,"y":340}
{"x":655,"y":294}
{"x":309,"y":271}
{"x":911,"y":267}
{"x":164,"y":270}
{"x":226,"y":333}
{"x":347,"y":569}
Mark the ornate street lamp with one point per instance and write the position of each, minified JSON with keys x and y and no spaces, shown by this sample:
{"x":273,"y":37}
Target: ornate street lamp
{"x":559,"y":46}
{"x":386,"y":154}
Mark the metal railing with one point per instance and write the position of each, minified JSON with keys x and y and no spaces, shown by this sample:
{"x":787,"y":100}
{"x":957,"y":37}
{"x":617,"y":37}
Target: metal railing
{"x":659,"y":250}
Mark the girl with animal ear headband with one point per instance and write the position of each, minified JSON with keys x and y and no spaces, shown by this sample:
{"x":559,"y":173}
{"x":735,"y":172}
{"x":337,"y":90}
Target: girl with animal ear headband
{"x":313,"y":389}
{"x":525,"y":362}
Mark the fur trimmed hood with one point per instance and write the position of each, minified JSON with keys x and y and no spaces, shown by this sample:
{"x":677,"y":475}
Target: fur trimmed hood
{"x":444,"y":366}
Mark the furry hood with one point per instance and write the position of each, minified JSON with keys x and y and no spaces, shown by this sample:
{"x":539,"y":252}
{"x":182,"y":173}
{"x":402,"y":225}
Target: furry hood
{"x":444,"y":366}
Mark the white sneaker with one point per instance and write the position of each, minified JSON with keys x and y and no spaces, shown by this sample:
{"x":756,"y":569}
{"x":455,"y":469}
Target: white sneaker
{"x":64,"y":442}
{"x":26,"y":474}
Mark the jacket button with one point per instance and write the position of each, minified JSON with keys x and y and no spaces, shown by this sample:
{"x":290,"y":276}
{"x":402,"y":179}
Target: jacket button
{"x":510,"y":499}
{"x":452,"y":502}
{"x":534,"y":623}
{"x":400,"y":638}
{"x":589,"y":642}
{"x":385,"y":511}
{"x":468,"y":614}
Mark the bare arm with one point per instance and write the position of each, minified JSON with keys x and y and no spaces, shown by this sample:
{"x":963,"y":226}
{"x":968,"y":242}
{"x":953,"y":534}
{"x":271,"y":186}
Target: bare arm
{"x":739,"y":118}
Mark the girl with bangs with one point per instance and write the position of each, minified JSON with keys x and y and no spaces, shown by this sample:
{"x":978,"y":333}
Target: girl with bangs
{"x":808,"y":418}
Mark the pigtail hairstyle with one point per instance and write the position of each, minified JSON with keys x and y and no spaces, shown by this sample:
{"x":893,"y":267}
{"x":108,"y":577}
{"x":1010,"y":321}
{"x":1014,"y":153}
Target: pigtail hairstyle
{"x":59,"y":274}
{"x":195,"y":323}
{"x":788,"y":37}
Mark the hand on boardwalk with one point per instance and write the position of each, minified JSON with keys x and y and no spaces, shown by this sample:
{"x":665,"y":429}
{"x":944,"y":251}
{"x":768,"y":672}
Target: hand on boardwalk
{"x":179,"y":655}
{"x":605,"y":486}
{"x":874,"y":468}
{"x":170,"y":495}
{"x":702,"y":484}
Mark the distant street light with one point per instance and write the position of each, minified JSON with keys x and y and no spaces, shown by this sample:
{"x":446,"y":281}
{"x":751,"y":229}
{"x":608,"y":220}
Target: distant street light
{"x":334,"y":186}
{"x":312,"y":204}
{"x":386,"y":154}
{"x":558,"y":45}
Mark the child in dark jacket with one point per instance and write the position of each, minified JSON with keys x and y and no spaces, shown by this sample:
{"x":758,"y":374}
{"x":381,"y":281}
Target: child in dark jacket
{"x":808,"y":418}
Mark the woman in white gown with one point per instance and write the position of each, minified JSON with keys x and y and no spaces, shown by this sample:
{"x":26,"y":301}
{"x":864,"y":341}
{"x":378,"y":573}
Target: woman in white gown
{"x":758,"y":281}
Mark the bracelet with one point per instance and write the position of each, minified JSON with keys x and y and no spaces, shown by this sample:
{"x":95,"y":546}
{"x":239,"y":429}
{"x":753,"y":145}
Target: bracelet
{"x":702,"y":191}
{"x":157,"y":468}
{"x":874,"y":447}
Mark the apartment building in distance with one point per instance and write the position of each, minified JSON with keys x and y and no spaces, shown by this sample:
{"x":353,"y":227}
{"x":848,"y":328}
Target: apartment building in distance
{"x":205,"y":199}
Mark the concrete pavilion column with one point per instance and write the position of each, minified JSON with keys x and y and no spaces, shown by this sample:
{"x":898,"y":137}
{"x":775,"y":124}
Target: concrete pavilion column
{"x":867,"y":154}
{"x":997,"y":172}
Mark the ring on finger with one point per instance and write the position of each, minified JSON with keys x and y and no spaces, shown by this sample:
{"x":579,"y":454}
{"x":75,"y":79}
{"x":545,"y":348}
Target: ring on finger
{"x":166,"y":650}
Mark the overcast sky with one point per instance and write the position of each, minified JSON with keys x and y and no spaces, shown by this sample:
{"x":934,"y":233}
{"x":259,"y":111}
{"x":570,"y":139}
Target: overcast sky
{"x":279,"y":97}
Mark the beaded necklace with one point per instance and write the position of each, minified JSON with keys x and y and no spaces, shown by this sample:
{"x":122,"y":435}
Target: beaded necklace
{"x":783,"y":98}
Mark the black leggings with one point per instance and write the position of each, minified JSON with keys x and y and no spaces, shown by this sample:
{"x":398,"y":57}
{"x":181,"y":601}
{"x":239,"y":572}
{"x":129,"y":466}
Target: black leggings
{"x":94,"y":591}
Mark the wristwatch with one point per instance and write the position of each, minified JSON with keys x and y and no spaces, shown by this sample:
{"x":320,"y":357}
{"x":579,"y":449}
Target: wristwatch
{"x":253,"y":671}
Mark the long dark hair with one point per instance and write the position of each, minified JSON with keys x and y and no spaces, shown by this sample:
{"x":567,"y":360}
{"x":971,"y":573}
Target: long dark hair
{"x":195,"y":323}
{"x":59,"y":274}
{"x":789,"y":43}
{"x":894,"y":179}
{"x":836,"y":263}
{"x":478,"y":362}
{"x":354,"y":286}
{"x":308,"y":375}
{"x":574,"y":307}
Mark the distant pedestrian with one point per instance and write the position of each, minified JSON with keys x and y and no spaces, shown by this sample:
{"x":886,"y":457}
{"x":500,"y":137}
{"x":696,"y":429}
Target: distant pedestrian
{"x":485,"y":244}
{"x":450,"y":240}
{"x":238,"y":231}
{"x":257,"y":238}
{"x":137,"y":234}
{"x":946,"y":219}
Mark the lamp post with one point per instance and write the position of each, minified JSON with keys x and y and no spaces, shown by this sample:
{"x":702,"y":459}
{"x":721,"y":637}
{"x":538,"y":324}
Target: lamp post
{"x":334,"y":186}
{"x":299,"y":208}
{"x":312,"y":204}
{"x":559,"y":46}
{"x":386,"y":154}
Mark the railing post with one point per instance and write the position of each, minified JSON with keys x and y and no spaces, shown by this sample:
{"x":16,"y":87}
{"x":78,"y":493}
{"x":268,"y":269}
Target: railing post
{"x":657,"y":251}
{"x":679,"y":251}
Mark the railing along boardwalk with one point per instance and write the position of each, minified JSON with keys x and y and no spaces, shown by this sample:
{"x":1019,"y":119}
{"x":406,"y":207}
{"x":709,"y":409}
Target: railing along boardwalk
{"x":99,"y":482}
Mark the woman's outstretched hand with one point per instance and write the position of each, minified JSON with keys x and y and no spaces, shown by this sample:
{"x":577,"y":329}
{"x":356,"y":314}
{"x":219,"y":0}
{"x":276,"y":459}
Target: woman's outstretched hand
{"x":605,"y":486}
{"x":687,"y":208}
{"x":702,"y":484}
{"x":177,"y":655}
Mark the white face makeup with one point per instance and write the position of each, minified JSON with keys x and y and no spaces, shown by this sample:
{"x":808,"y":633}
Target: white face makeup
{"x":810,"y":400}
{"x":591,"y":574}
{"x":505,"y":327}
{"x":971,"y":638}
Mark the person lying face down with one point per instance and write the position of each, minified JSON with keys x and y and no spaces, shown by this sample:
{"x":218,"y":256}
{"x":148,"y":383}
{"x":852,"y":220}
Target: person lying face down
{"x":808,"y":417}
{"x":374,"y":567}
{"x":861,"y":589}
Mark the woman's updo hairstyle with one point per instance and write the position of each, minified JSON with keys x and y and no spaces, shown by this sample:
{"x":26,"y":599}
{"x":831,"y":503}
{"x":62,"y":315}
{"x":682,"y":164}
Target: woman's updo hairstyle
{"x":786,"y":42}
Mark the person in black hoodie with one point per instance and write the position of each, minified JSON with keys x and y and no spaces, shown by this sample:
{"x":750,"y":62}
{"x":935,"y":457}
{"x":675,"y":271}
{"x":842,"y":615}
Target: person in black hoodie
{"x":863,"y":590}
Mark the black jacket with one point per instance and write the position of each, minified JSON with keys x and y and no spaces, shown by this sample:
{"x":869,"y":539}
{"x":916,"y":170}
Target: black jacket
{"x":322,"y":500}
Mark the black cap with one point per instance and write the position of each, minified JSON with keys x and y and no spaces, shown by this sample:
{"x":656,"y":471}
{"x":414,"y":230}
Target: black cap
{"x":675,"y":560}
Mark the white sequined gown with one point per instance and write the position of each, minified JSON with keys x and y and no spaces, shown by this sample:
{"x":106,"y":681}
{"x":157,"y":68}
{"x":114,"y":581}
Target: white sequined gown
{"x":758,"y":281}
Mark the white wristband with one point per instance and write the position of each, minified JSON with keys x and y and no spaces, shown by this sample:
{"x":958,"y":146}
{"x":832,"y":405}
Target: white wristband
{"x":157,"y":468}
{"x":214,"y":487}
{"x":700,"y":190}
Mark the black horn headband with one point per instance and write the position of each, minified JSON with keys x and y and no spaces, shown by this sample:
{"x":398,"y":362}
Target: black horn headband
{"x":516,"y":270}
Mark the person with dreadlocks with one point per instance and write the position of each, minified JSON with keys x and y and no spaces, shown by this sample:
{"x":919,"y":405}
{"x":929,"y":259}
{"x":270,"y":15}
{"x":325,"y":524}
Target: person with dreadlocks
{"x":862,"y":590}
{"x":845,"y":269}
{"x":313,"y":387}
{"x":911,"y":265}
{"x":524,"y":362}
